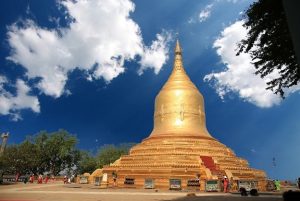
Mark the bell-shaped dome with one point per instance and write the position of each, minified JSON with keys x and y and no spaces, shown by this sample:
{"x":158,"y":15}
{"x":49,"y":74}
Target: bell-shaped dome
{"x":179,"y":106}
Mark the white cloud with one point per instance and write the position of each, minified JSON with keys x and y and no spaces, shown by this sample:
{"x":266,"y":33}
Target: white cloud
{"x":101,"y":36}
{"x":239,"y":74}
{"x":11,"y":104}
{"x":156,"y":55}
{"x":205,"y":13}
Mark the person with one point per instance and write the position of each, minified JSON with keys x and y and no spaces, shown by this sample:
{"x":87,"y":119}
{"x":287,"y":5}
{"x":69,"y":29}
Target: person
{"x":299,"y":182}
{"x":25,"y":179}
{"x":277,"y":185}
{"x":46,"y":179}
{"x":65,"y":179}
{"x":225,"y":184}
{"x":40,"y":179}
{"x":17,"y":177}
{"x":198,"y":179}
{"x":31,"y":178}
{"x":115,"y":181}
{"x":72,"y":178}
{"x":114,"y":178}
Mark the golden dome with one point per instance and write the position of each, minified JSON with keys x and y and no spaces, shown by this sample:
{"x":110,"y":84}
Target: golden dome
{"x":179,"y":106}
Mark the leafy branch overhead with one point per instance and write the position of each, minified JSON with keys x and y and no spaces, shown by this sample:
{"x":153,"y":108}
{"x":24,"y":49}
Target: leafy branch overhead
{"x":270,"y":45}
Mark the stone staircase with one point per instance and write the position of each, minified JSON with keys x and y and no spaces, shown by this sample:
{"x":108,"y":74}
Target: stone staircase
{"x":210,"y":164}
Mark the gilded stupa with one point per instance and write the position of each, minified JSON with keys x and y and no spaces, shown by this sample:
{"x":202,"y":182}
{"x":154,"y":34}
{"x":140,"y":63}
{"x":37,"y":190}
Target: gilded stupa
{"x":179,"y":152}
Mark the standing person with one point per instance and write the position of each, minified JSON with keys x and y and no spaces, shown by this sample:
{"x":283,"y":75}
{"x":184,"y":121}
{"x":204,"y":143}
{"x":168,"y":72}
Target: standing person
{"x":299,"y":182}
{"x":65,"y":179}
{"x":31,"y":178}
{"x":115,"y":181}
{"x":40,"y":179}
{"x":277,"y":185}
{"x":225,"y":184}
{"x":198,"y":180}
{"x":17,"y":176}
{"x":114,"y":178}
{"x":46,"y":179}
{"x":25,"y":179}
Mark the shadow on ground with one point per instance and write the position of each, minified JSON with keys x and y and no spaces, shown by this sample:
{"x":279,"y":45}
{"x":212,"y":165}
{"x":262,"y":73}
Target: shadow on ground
{"x":287,"y":196}
{"x":228,"y":198}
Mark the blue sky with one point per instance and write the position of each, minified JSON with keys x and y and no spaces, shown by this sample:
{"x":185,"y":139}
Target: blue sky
{"x":95,"y":67}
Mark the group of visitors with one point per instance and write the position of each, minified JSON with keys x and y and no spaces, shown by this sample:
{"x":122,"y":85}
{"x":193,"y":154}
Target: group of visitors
{"x":40,"y":179}
{"x":68,"y":180}
{"x":44,"y":179}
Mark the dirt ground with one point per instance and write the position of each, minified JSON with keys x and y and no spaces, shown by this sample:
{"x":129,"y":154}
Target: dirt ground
{"x":84,"y":192}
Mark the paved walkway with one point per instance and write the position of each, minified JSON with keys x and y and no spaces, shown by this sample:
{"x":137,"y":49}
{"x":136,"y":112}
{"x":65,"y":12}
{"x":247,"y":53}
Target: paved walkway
{"x":73,"y":192}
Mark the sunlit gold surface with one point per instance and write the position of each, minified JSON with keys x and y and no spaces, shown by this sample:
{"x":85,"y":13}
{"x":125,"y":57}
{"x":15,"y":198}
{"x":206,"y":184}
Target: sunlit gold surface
{"x":178,"y":141}
{"x":179,"y":106}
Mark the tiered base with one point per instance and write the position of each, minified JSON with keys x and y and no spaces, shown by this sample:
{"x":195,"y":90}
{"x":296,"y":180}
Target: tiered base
{"x":181,"y":162}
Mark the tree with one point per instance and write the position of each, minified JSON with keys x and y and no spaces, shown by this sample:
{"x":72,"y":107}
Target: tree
{"x":17,"y":158}
{"x":41,"y":153}
{"x":56,"y":150}
{"x":270,"y":45}
{"x":87,"y":163}
{"x":110,"y":153}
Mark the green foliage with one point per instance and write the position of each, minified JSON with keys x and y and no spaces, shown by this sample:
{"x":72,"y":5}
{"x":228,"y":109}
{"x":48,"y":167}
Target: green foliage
{"x":44,"y":152}
{"x":270,"y":45}
{"x":108,"y":154}
{"x":87,"y":163}
{"x":17,"y":158}
{"x":54,"y":152}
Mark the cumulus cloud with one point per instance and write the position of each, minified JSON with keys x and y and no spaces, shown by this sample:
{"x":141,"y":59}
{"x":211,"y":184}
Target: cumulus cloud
{"x":205,"y":13}
{"x":156,"y":55}
{"x":11,"y":104}
{"x":239,"y":74}
{"x":101,"y":36}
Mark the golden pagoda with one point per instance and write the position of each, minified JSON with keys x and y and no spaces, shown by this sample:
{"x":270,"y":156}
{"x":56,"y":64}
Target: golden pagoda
{"x":180,"y":153}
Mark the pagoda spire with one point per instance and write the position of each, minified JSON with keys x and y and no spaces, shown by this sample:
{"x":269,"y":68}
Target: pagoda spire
{"x":177,"y":47}
{"x":178,"y":64}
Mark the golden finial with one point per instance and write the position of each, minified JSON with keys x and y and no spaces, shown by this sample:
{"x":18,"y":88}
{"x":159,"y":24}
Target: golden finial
{"x":177,"y":47}
{"x":178,"y":66}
